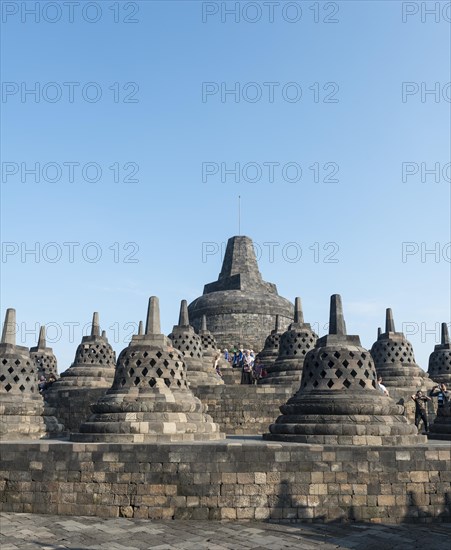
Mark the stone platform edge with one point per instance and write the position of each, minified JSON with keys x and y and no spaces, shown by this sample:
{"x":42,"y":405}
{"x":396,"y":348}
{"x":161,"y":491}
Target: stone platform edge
{"x":228,"y":480}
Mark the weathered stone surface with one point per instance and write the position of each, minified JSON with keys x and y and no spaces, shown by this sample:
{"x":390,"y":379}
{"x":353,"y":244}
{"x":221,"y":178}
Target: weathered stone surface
{"x":253,"y":479}
{"x":199,"y":369}
{"x":240,"y":307}
{"x":22,"y":413}
{"x":294,"y":345}
{"x":44,"y":357}
{"x":270,"y":351}
{"x":150,"y":399}
{"x":439,"y":368}
{"x":337,"y":401}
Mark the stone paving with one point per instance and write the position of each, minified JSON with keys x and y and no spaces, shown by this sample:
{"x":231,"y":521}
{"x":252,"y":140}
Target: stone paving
{"x":31,"y":531}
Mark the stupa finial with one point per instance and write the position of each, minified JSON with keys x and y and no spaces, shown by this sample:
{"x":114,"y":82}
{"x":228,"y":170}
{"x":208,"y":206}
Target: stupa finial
{"x":95,"y":329}
{"x":9,"y":328}
{"x":298,"y":313}
{"x":337,"y":323}
{"x":41,"y":341}
{"x":183,"y":317}
{"x":153,"y":316}
{"x":277,"y":324}
{"x":445,"y":334}
{"x":389,"y":322}
{"x":204,"y":323}
{"x":379,"y":332}
{"x":140,"y":329}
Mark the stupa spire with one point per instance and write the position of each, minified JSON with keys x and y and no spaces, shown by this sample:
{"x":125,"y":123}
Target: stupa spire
{"x":183,"y":316}
{"x":389,"y":322}
{"x":9,"y":328}
{"x":204,"y":323}
{"x":95,"y":329}
{"x":445,"y":334}
{"x":140,"y":329}
{"x":153,"y":316}
{"x":298,"y":313}
{"x":42,"y":342}
{"x":337,"y":323}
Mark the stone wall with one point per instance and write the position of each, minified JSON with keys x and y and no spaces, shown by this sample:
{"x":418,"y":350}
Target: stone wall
{"x":243,"y":409}
{"x":228,"y":480}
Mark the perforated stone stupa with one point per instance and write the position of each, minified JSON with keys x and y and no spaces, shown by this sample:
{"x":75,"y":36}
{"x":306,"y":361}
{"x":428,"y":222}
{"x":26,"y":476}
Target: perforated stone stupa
{"x":184,"y":338}
{"x":270,"y":351}
{"x":294,"y":345}
{"x":395,"y":361}
{"x":240,"y":307}
{"x":44,"y":357}
{"x":21,"y":406}
{"x":94,"y":362}
{"x":337,"y":402}
{"x":440,"y":359}
{"x":210,"y":347}
{"x":150,"y":400}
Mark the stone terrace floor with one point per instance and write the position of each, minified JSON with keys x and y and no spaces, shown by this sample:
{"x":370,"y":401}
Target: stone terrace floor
{"x":31,"y":531}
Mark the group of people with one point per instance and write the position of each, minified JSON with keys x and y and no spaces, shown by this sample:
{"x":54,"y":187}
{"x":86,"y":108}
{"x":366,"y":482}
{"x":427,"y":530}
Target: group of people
{"x":420,"y":399}
{"x":45,"y":383}
{"x":252,"y":369}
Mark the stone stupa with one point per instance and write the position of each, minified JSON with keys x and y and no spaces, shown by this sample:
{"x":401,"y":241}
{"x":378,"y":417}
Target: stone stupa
{"x":150,"y":400}
{"x":439,"y":369}
{"x":210,"y":347}
{"x":23,"y":414}
{"x":270,"y":351}
{"x":94,"y":361}
{"x":44,"y":357}
{"x":240,"y":307}
{"x":337,"y":402}
{"x":185,"y":339}
{"x":294,"y":345}
{"x":395,"y":361}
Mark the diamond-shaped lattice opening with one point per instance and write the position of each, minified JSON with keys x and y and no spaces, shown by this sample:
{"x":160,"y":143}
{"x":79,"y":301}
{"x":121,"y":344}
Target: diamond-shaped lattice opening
{"x":145,"y":371}
{"x":8,"y":387}
{"x":351,"y":354}
{"x":323,"y":373}
{"x":22,"y":388}
{"x":152,"y":382}
{"x":172,"y":372}
{"x":315,"y":383}
{"x":153,"y":362}
{"x":4,"y":361}
{"x":123,"y":382}
{"x":145,"y":354}
{"x":137,"y":381}
{"x":362,"y":383}
{"x":138,"y":363}
{"x":330,"y":384}
{"x":304,"y":352}
{"x":17,"y":362}
{"x":159,"y":372}
{"x":339,"y":373}
{"x":360,"y":363}
{"x":16,"y":379}
{"x":346,"y":383}
{"x":166,"y":363}
{"x":345,"y":363}
{"x":2,"y":378}
{"x":167,"y":381}
{"x":25,"y":370}
{"x":353,"y":373}
{"x":11,"y":370}
{"x":366,"y":374}
{"x":132,"y":371}
{"x":330,"y":364}
{"x":310,"y":374}
{"x":337,"y":355}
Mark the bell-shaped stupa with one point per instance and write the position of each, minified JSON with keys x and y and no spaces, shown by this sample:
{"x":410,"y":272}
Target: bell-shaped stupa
{"x":395,"y":361}
{"x":150,"y":400}
{"x":185,"y":339}
{"x":439,"y":369}
{"x":294,"y":345}
{"x":270,"y":351}
{"x":240,"y":307}
{"x":337,"y":402}
{"x":22,"y":412}
{"x":44,"y":357}
{"x":94,"y":362}
{"x":210,"y":348}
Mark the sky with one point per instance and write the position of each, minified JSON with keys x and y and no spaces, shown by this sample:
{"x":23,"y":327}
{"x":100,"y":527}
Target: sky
{"x":130,"y":129}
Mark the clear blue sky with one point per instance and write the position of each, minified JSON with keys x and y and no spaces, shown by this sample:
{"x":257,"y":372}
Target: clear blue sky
{"x":172,"y":129}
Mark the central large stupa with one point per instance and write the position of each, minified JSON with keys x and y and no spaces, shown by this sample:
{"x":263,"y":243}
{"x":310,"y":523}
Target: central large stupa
{"x":240,"y":307}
